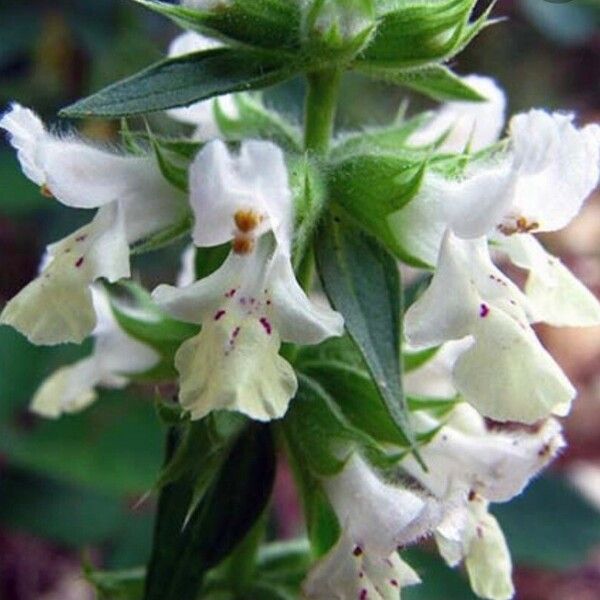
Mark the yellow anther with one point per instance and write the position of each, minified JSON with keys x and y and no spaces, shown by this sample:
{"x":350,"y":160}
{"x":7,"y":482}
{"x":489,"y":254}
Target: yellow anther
{"x":247,"y":220}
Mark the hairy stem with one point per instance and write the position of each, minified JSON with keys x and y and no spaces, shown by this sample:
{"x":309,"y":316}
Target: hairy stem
{"x":320,"y":109}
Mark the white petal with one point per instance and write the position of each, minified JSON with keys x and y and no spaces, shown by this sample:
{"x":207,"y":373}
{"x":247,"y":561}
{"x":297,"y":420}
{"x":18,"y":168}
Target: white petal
{"x":155,"y":206}
{"x":237,"y":278}
{"x":496,"y":463}
{"x":488,"y":561}
{"x":255,"y":180}
{"x":116,"y":353}
{"x":57,"y":307}
{"x":296,"y":318}
{"x":379,"y":516}
{"x":508,"y":375}
{"x":477,"y":204}
{"x":77,"y":173}
{"x":234,"y":365}
{"x":470,"y":124}
{"x":464,"y":284}
{"x":558,"y":167}
{"x":82,"y":176}
{"x":556,"y":296}
{"x":26,"y":131}
{"x":419,"y":226}
{"x":187,"y":269}
{"x":68,"y":390}
{"x":346,"y":573}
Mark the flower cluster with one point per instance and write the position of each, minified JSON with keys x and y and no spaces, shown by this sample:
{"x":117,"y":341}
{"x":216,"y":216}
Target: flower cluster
{"x":250,"y":324}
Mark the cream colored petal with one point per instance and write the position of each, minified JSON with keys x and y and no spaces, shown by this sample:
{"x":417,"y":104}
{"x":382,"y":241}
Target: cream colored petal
{"x":57,"y":306}
{"x":473,"y":535}
{"x":556,"y":296}
{"x":488,"y":560}
{"x":68,"y":390}
{"x":234,"y":365}
{"x":508,"y":375}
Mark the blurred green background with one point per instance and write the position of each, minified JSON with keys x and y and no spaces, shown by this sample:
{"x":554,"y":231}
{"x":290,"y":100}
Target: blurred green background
{"x":69,"y":489}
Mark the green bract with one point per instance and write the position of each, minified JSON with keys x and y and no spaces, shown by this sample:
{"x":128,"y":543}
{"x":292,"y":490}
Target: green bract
{"x":268,"y":41}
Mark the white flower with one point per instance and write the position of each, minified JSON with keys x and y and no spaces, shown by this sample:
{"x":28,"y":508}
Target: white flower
{"x":539,"y":185}
{"x":473,"y":535}
{"x":57,"y":306}
{"x":346,"y":572}
{"x":200,"y":114}
{"x":506,"y":373}
{"x":466,"y":124}
{"x":134,"y":202}
{"x":245,"y":196}
{"x":378,"y":516}
{"x":115,"y":356}
{"x":252,"y":302}
{"x":482,"y":463}
{"x":494,"y":462}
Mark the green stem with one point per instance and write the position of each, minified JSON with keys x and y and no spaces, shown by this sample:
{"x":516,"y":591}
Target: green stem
{"x":320,"y":108}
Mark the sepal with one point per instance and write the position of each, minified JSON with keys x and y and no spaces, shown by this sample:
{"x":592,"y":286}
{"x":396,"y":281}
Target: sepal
{"x":261,"y":23}
{"x":415,"y":34}
{"x":338,"y":28}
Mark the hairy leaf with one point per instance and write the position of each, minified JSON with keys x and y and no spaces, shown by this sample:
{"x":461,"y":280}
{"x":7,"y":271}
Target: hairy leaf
{"x":184,"y":80}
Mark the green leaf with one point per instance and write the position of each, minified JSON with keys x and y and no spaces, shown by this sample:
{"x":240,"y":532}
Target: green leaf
{"x":339,"y":349}
{"x":417,"y":33}
{"x":173,"y":169}
{"x":184,"y":80}
{"x":142,"y":319}
{"x":254,"y":120}
{"x":370,"y":187}
{"x":310,"y":195}
{"x":208,"y":260}
{"x":321,"y":433}
{"x":165,"y":236}
{"x":362,"y":282}
{"x":389,"y":139}
{"x":550,"y":525}
{"x":284,"y":562}
{"x":125,"y":584}
{"x":358,"y":398}
{"x":414,"y":360}
{"x":185,"y":550}
{"x":436,"y":81}
{"x":263,"y":23}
